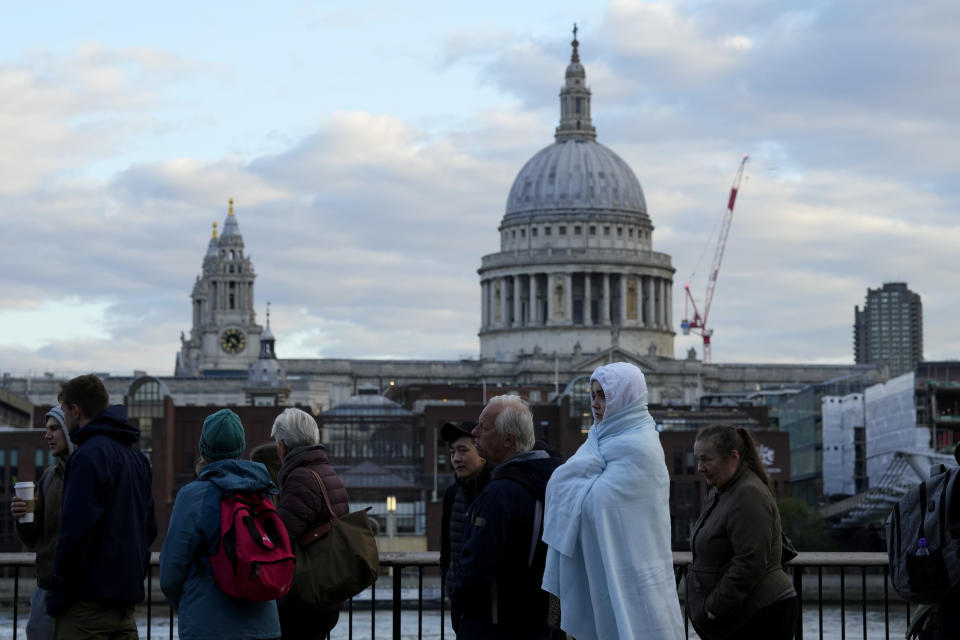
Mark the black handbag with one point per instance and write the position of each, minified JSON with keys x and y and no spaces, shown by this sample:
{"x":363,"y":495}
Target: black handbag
{"x":335,"y":560}
{"x":787,"y":551}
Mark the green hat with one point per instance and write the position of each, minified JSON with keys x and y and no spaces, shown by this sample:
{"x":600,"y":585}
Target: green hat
{"x":222,"y":436}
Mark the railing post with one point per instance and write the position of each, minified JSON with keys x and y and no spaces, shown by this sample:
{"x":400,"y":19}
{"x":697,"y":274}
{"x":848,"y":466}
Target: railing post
{"x":16,"y":598}
{"x":396,"y":602}
{"x":798,"y":587}
{"x":149,"y":597}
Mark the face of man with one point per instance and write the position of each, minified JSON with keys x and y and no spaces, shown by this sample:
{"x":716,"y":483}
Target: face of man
{"x":71,"y":417}
{"x":55,"y":437}
{"x":490,"y":444}
{"x":464,"y":457}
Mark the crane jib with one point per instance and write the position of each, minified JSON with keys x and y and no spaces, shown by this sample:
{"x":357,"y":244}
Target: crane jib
{"x":733,"y":198}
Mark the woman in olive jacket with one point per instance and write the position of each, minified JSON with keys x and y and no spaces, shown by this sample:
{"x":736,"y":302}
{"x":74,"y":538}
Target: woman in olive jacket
{"x":736,"y":587}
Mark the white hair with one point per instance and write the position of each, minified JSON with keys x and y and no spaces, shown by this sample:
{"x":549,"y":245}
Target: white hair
{"x":514,"y":419}
{"x":295,"y":428}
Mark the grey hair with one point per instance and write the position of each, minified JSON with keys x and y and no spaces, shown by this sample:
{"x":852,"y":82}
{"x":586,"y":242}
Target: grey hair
{"x":514,"y":419}
{"x":295,"y":428}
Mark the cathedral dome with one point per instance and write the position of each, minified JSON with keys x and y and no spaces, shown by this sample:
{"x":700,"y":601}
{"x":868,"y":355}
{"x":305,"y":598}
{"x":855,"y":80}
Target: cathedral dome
{"x":576,"y":272}
{"x":575,"y":175}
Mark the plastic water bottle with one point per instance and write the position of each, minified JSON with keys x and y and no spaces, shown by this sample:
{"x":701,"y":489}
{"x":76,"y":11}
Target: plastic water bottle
{"x":922,"y":549}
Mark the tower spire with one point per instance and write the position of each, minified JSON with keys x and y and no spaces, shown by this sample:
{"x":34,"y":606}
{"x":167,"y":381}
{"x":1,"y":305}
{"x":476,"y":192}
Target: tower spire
{"x":267,"y":341}
{"x":231,"y":230}
{"x":214,"y":230}
{"x":575,"y":56}
{"x":575,"y":121}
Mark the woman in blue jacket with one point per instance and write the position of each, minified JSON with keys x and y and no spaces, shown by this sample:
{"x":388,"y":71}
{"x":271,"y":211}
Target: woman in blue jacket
{"x":204,"y":612}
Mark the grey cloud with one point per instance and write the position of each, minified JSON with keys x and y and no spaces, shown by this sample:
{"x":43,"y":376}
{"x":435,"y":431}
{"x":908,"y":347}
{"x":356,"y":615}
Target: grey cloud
{"x":367,"y":232}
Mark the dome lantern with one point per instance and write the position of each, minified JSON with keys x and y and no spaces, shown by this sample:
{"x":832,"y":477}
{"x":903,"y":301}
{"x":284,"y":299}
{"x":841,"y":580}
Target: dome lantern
{"x":575,"y":100}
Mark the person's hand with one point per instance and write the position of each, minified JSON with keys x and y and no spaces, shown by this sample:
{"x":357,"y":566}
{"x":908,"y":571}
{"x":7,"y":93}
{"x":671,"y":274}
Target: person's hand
{"x":18,"y":507}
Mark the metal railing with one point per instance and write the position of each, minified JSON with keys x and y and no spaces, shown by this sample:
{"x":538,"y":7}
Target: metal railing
{"x":833,"y":577}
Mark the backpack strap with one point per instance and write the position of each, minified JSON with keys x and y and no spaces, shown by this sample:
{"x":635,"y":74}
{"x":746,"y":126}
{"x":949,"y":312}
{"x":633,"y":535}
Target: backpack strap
{"x":537,"y":530}
{"x":923,"y":508}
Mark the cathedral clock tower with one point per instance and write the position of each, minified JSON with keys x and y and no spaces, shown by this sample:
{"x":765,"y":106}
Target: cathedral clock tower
{"x":225,"y":338}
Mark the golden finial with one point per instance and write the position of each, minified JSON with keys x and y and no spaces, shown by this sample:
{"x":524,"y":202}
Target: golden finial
{"x":231,"y":207}
{"x":214,"y":230}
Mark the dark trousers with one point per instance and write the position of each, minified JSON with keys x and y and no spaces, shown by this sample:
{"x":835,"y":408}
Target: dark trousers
{"x":85,"y":620}
{"x":948,"y":626}
{"x":776,"y":621}
{"x":303,"y":622}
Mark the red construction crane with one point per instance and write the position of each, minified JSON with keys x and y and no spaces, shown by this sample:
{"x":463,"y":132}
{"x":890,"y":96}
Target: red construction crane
{"x":699,"y":323}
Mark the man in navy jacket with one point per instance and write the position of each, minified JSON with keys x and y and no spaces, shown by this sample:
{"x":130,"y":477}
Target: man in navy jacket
{"x":497,"y":590}
{"x":107,"y":519}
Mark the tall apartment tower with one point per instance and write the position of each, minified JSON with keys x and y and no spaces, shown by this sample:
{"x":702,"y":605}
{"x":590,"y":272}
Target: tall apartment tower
{"x":889,"y":328}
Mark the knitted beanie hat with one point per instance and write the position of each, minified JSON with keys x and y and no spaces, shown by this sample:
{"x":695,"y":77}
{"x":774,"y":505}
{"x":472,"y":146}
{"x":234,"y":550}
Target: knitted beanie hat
{"x":222,"y":436}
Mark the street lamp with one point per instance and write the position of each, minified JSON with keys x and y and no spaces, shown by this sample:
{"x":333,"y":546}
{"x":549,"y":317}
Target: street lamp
{"x":391,"y":516}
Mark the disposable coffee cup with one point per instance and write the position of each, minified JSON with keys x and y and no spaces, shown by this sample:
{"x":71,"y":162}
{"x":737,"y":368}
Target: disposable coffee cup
{"x":24,"y":491}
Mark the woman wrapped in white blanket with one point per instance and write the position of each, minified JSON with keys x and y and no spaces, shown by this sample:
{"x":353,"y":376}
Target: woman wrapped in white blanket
{"x":607,"y":521}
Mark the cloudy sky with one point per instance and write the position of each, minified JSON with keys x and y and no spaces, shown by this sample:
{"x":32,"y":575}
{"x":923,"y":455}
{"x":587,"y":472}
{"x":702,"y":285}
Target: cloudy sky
{"x":370,"y":148}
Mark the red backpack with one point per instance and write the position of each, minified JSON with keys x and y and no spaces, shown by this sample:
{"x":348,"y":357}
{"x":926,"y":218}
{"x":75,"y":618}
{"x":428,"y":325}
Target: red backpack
{"x":253,"y":559}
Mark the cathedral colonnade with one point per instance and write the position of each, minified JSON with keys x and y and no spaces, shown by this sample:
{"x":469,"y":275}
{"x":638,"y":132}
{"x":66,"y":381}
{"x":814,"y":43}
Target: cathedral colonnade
{"x":576,"y":298}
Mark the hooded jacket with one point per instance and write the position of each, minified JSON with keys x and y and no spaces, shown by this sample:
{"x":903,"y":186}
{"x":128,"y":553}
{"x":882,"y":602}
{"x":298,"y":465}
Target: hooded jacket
{"x":497,"y":591}
{"x":204,"y":612}
{"x":41,"y":534}
{"x":107,"y":523}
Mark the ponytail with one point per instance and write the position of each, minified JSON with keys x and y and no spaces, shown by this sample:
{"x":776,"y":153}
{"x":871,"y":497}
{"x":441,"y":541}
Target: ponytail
{"x":750,"y":456}
{"x":726,"y":440}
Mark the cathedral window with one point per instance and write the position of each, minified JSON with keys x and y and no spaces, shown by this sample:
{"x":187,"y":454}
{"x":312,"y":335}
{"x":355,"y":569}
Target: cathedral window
{"x":513,"y":233}
{"x":233,"y":254}
{"x":547,"y":230}
{"x":533,"y":232}
{"x":562,"y":230}
{"x":577,"y":229}
{"x":231,"y":268}
{"x":523,"y":233}
{"x":593,"y":230}
{"x":630,"y":232}
{"x":619,"y":232}
{"x":606,"y":231}
{"x":579,"y":105}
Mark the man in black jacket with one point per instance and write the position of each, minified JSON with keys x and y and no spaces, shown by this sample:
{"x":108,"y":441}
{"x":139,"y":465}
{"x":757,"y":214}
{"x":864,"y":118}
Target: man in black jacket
{"x":497,"y":591}
{"x":107,"y":520}
{"x":473,"y":473}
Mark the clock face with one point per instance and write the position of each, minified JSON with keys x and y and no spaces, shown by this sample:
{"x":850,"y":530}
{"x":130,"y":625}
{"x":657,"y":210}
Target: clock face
{"x":233,"y":341}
